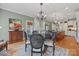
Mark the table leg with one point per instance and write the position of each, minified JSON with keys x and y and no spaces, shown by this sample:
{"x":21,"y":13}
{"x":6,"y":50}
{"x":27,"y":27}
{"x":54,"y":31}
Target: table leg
{"x":53,"y":47}
{"x":6,"y":46}
{"x":53,"y":50}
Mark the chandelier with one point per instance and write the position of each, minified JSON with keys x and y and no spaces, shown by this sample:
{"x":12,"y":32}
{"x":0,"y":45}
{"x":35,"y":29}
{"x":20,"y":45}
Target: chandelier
{"x":41,"y":15}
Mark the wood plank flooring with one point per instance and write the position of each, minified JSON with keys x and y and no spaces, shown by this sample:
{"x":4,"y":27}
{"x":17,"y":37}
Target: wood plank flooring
{"x":70,"y":44}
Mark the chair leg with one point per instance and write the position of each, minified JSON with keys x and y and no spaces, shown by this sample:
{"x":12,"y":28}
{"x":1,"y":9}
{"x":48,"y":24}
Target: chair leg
{"x":25,"y":47}
{"x":45,"y":48}
{"x":31,"y":52}
{"x":41,"y":51}
{"x":53,"y":49}
{"x":6,"y":46}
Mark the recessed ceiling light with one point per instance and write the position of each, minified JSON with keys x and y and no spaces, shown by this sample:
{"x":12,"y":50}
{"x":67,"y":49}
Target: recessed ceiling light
{"x":0,"y":27}
{"x":66,"y":8}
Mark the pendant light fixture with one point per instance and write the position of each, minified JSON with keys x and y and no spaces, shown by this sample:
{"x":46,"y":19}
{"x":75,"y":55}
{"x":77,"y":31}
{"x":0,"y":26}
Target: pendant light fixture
{"x":41,"y":15}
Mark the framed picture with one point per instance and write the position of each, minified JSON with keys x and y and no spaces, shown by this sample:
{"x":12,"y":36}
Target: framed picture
{"x":15,"y":24}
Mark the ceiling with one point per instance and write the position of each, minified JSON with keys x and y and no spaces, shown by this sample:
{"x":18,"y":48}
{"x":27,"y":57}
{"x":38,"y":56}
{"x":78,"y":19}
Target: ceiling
{"x":52,"y":10}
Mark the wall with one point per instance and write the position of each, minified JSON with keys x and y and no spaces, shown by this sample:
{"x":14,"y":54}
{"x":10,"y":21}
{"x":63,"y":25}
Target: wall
{"x":77,"y":17}
{"x":24,"y":22}
{"x":4,"y":22}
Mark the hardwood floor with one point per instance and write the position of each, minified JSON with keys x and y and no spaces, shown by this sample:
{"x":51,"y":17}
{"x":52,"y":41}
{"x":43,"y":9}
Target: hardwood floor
{"x":70,"y":44}
{"x":15,"y":44}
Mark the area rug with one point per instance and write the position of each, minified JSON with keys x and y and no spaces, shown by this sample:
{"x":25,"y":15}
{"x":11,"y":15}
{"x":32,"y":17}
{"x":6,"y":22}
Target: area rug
{"x":58,"y":52}
{"x":20,"y":51}
{"x":9,"y":52}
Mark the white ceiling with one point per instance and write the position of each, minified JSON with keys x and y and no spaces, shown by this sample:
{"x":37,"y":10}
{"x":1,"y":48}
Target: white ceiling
{"x":61,"y":10}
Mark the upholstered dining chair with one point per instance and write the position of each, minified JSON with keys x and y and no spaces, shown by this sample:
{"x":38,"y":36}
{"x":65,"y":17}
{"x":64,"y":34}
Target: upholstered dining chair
{"x":36,"y":41}
{"x":25,"y":36}
{"x":48,"y":35}
{"x":35,"y":32}
{"x":3,"y":45}
{"x":53,"y":39}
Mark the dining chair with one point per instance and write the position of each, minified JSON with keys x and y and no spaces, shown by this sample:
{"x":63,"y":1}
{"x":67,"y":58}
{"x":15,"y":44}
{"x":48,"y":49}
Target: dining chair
{"x":35,"y":32}
{"x":25,"y":36}
{"x":53,"y":39}
{"x":36,"y":41}
{"x":3,"y":45}
{"x":48,"y":35}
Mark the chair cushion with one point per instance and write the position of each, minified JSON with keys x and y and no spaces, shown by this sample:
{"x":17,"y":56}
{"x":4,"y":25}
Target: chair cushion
{"x":2,"y":44}
{"x":27,"y":42}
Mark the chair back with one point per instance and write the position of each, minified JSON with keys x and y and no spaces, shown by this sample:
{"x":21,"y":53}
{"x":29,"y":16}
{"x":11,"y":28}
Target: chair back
{"x":35,"y":32}
{"x":36,"y":41}
{"x":25,"y":35}
{"x":48,"y":35}
{"x":54,"y":35}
